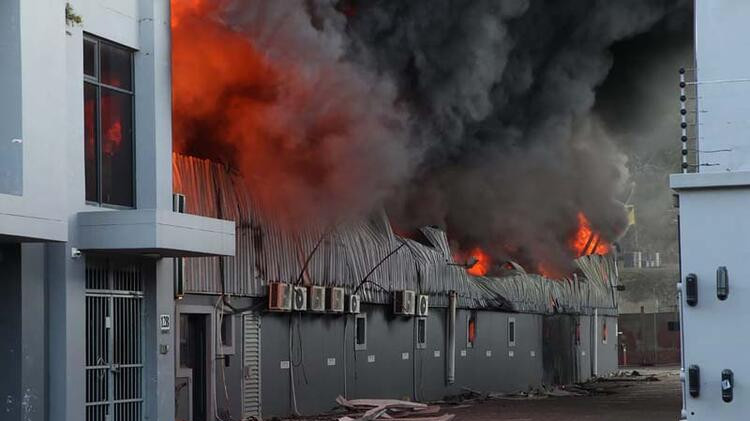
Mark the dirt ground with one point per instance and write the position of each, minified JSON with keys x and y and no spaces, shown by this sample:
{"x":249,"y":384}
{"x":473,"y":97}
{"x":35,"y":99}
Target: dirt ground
{"x":626,"y":399}
{"x":654,"y":395}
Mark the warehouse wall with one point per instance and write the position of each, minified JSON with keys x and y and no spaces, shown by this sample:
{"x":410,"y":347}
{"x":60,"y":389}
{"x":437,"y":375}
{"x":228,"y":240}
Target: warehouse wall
{"x":584,"y":349}
{"x":559,"y":349}
{"x":391,"y":366}
{"x":326,"y":365}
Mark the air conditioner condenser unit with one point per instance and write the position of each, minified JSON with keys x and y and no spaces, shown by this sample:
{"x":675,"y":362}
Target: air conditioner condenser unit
{"x":299,"y":299}
{"x":316,"y":299}
{"x":403,"y":303}
{"x":279,"y":296}
{"x":353,"y":303}
{"x":335,"y":300}
{"x":423,"y":305}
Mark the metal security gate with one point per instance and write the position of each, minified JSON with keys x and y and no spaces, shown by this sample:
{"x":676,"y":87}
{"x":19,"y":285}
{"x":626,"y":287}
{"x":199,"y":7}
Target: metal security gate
{"x":114,"y":341}
{"x":251,"y":364}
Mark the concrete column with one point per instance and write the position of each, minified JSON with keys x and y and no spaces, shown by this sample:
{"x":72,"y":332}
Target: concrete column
{"x":66,"y":332}
{"x":22,"y":322}
{"x":153,"y":99}
{"x":159,"y":352}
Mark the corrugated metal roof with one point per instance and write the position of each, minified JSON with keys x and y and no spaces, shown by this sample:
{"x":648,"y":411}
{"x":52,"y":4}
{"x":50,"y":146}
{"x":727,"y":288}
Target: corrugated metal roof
{"x":348,"y":252}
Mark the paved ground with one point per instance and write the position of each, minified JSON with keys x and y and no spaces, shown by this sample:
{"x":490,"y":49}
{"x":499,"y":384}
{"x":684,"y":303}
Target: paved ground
{"x":618,"y":400}
{"x":615,"y":399}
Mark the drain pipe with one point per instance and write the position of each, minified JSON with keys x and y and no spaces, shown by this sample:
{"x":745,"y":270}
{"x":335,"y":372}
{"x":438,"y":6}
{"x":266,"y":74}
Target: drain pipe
{"x":450,"y":356}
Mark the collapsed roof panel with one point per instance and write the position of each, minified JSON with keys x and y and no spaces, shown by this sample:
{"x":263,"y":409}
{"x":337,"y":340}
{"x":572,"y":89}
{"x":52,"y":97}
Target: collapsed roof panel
{"x":351,"y":252}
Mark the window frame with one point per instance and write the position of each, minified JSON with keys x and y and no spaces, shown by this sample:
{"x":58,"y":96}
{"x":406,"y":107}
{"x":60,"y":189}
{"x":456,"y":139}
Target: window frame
{"x":512,"y":337}
{"x":421,"y":342}
{"x":226,"y":349}
{"x":472,"y":316}
{"x":98,"y":84}
{"x":360,"y":346}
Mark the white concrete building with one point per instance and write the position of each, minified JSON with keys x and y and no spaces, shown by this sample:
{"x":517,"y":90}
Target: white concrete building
{"x":87,"y":230}
{"x":714,"y":200}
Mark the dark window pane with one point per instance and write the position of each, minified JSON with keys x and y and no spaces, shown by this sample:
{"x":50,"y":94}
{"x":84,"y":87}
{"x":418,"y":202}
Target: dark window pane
{"x":361,"y":321}
{"x":89,"y":136}
{"x":226,"y":332}
{"x":186,"y":351}
{"x":117,"y":148}
{"x":89,"y":58}
{"x":115,"y":66}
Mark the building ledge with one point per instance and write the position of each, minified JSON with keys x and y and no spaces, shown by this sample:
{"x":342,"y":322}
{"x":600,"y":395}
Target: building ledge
{"x":155,"y":232}
{"x":25,"y":228}
{"x":714,"y":180}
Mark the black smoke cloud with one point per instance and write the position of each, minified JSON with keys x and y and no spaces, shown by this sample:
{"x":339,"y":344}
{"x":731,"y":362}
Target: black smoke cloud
{"x":494,"y":103}
{"x":502,"y":94}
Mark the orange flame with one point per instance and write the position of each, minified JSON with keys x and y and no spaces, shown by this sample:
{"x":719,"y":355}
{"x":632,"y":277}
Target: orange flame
{"x":586,"y":241}
{"x":482,"y":266}
{"x":302,"y":133}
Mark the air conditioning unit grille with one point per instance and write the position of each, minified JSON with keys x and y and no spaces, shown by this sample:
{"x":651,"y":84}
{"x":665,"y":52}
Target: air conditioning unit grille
{"x":300,"y":299}
{"x":317,"y":299}
{"x":279,"y":297}
{"x":403,"y":303}
{"x":423,"y":305}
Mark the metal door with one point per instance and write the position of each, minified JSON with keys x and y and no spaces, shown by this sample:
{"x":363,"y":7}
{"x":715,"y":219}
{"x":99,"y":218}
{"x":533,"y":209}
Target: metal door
{"x":251,"y":387}
{"x":114,"y":341}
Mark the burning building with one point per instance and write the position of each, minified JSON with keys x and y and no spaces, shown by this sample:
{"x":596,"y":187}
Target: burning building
{"x":269,"y":354}
{"x":295,"y":124}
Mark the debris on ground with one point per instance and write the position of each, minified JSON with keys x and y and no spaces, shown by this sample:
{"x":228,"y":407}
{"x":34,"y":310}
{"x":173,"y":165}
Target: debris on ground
{"x":627,"y":375}
{"x":381,"y":409}
{"x":404,"y":410}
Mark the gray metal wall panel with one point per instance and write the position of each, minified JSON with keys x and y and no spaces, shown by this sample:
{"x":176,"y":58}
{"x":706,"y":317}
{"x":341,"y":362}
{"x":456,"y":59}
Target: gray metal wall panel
{"x":608,"y":355}
{"x":499,"y":372}
{"x":390,"y":376}
{"x":559,"y":359}
{"x":317,"y":384}
{"x":431,"y":370}
{"x":585,"y":349}
{"x":525,"y":368}
{"x":275,"y":348}
{"x":388,"y":337}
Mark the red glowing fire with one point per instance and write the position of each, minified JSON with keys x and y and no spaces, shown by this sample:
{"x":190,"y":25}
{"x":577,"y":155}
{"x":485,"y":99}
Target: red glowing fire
{"x":586,"y":241}
{"x":303,"y":128}
{"x":483,"y":261}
